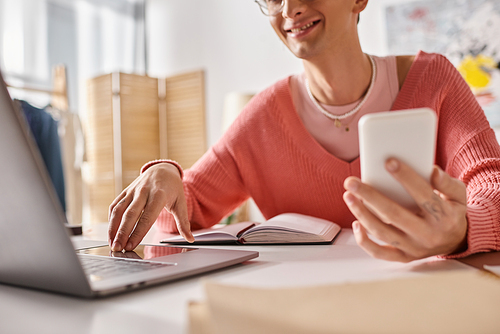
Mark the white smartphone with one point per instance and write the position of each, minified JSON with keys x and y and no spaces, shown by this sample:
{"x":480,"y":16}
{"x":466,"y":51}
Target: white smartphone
{"x":408,"y":135}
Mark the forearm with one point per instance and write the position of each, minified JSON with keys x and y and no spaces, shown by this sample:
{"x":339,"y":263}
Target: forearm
{"x":481,"y":172}
{"x":212,"y":190}
{"x":483,"y":232}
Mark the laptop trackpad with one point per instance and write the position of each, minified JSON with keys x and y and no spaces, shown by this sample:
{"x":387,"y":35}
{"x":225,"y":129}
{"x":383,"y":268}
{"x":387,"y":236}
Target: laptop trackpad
{"x":145,"y":252}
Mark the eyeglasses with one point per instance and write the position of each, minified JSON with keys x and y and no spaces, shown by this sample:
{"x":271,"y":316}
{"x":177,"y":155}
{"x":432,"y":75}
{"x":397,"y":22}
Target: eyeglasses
{"x":270,"y":7}
{"x":274,"y":7}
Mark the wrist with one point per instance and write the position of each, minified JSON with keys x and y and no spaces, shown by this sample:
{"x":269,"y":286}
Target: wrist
{"x":163,"y":161}
{"x":463,"y":245}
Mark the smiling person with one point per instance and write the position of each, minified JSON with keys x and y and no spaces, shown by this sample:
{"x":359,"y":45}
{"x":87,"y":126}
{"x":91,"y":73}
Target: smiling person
{"x":294,"y":148}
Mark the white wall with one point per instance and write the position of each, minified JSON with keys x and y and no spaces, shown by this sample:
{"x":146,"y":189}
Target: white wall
{"x":231,"y":40}
{"x":174,"y":37}
{"x":24,"y":37}
{"x":234,"y":43}
{"x":372,"y":29}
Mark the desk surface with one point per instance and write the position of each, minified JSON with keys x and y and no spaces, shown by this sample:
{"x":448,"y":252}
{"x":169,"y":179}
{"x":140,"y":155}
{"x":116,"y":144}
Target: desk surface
{"x":163,"y":309}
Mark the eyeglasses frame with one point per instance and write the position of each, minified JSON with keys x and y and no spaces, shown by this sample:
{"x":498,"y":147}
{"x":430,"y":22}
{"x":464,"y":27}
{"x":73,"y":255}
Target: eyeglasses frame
{"x":263,"y":7}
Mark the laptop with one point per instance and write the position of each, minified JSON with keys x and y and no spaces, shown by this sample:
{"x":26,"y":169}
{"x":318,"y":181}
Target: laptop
{"x":35,"y":247}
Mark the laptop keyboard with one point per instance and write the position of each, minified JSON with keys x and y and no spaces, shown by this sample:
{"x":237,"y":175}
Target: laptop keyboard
{"x":97,"y":267}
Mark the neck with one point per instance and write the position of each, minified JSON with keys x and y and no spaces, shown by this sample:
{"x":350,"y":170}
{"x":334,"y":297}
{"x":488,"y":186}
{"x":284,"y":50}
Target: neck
{"x":339,"y":79}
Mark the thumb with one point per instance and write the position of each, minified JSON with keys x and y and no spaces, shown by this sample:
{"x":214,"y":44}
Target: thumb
{"x":449,"y":187}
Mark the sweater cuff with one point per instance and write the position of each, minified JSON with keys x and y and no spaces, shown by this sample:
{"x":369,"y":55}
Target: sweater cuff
{"x":482,"y":233}
{"x":160,"y":161}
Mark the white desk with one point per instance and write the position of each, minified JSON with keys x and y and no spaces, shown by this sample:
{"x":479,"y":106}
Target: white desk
{"x":163,"y":309}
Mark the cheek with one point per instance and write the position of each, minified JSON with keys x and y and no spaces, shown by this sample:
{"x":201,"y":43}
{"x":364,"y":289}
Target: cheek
{"x":276,"y":24}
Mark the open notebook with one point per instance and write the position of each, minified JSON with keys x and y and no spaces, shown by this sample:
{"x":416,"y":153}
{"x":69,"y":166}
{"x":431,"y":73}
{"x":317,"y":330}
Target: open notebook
{"x":286,"y":228}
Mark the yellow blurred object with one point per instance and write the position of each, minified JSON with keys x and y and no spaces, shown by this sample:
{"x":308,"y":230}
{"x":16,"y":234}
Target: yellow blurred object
{"x":476,"y":71}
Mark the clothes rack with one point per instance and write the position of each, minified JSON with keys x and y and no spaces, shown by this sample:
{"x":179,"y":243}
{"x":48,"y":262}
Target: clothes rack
{"x":59,"y":91}
{"x":73,"y":182}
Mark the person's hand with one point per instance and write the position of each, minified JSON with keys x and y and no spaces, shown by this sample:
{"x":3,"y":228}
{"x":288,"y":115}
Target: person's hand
{"x":134,"y":211}
{"x":439,"y":228}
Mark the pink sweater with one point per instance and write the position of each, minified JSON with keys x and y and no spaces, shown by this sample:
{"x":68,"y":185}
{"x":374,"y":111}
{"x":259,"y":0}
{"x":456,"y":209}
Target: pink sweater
{"x":268,"y":154}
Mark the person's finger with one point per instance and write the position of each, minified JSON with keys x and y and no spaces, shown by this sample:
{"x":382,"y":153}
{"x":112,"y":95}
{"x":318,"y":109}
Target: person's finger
{"x":383,"y":232}
{"x":382,"y":252}
{"x":432,"y":205}
{"x":417,"y":186}
{"x":151,"y":212}
{"x":383,"y":207}
{"x":451,"y":188}
{"x":115,"y":217}
{"x":118,"y":199}
{"x":129,"y":220}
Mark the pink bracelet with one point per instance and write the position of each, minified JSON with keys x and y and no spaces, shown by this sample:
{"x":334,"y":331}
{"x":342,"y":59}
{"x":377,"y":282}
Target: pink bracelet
{"x":160,"y":161}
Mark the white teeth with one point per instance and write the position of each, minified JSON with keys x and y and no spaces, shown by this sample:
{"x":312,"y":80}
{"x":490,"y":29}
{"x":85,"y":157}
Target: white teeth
{"x":302,"y":28}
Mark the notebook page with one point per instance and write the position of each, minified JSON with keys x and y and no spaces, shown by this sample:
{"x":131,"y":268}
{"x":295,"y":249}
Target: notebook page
{"x":293,"y":221}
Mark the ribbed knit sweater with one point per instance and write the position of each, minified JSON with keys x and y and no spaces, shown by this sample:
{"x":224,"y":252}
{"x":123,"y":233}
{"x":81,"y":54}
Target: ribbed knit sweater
{"x":267,"y":154}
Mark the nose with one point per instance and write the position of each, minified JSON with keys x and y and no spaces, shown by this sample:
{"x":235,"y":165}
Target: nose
{"x":292,"y":8}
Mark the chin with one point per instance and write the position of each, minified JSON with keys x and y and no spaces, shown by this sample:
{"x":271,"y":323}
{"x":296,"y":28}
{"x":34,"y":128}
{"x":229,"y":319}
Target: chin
{"x":302,"y":53}
{"x":303,"y":50}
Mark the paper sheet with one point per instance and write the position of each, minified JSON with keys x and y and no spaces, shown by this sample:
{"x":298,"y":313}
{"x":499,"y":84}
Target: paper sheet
{"x":493,"y":269}
{"x":459,"y":302}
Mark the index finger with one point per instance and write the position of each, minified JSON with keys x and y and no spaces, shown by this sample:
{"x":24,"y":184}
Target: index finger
{"x":128,"y":222}
{"x":417,"y":186}
{"x":386,"y":209}
{"x":151,"y":212}
{"x":116,"y":210}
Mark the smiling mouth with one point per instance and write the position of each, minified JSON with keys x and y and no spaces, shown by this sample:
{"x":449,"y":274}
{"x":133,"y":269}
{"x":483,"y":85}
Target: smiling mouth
{"x":307,"y":26}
